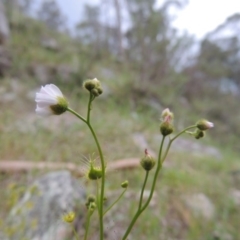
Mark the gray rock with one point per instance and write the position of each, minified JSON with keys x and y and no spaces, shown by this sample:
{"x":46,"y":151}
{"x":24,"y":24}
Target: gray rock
{"x":4,"y":26}
{"x":37,"y":216}
{"x":235,"y":196}
{"x":201,"y":205}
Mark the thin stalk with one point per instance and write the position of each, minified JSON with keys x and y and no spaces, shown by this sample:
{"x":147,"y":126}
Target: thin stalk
{"x":142,"y":191}
{"x":77,"y":115}
{"x":75,"y":233}
{"x":102,"y":182}
{"x":87,"y":224}
{"x":174,"y":138}
{"x":138,"y":213}
{"x":115,"y":201}
{"x":101,"y":159}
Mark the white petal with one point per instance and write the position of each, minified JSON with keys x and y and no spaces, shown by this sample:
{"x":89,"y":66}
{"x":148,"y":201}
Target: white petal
{"x":43,"y":111}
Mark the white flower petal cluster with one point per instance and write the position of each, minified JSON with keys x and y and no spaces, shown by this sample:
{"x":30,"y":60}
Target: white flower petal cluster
{"x":50,"y":101}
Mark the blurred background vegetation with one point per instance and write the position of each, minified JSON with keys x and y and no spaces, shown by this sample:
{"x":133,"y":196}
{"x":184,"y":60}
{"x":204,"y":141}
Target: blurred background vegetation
{"x":145,"y":65}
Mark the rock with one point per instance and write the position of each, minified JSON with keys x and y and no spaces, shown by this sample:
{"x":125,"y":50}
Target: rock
{"x":4,"y":26}
{"x":201,"y":205}
{"x":50,"y":44}
{"x":235,"y":196}
{"x":37,"y":216}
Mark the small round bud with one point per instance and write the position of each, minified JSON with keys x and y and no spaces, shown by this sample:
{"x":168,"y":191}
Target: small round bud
{"x":204,"y":125}
{"x":166,"y":128}
{"x":95,"y":92}
{"x":93,"y":86}
{"x":124,"y":184}
{"x":94,"y":173}
{"x":68,"y":217}
{"x":90,"y":199}
{"x":90,"y":84}
{"x":199,"y":134}
{"x":147,"y":162}
{"x":92,"y":207}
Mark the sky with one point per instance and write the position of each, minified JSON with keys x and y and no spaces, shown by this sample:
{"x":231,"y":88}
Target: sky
{"x":198,"y":17}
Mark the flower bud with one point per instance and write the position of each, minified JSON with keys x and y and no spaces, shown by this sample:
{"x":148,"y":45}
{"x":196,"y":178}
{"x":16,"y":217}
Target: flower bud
{"x":92,"y":207}
{"x":124,"y":184}
{"x":147,"y":162}
{"x":167,"y":114}
{"x":204,"y":125}
{"x":93,"y":86}
{"x":68,"y":217}
{"x":90,"y":199}
{"x":94,"y":173}
{"x":199,"y":134}
{"x":166,"y":126}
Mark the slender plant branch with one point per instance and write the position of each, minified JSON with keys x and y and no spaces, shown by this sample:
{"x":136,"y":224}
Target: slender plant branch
{"x":138,"y":213}
{"x":76,"y":114}
{"x":75,"y":233}
{"x":173,"y":139}
{"x":115,"y":201}
{"x":89,"y":214}
{"x":142,"y":191}
{"x":101,"y":159}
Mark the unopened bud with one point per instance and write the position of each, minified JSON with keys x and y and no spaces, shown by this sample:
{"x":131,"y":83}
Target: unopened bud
{"x":124,"y":184}
{"x":93,"y":86}
{"x":94,"y":172}
{"x":199,"y":134}
{"x":166,"y":128}
{"x":147,"y":162}
{"x":90,"y":199}
{"x":204,"y":125}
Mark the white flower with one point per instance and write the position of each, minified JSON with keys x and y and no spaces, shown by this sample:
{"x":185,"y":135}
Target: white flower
{"x":50,"y":101}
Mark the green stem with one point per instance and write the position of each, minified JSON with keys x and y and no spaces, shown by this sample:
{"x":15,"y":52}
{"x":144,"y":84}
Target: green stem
{"x":102,"y":182}
{"x":115,"y":201}
{"x":91,"y":97}
{"x":101,"y":159}
{"x":77,"y":115}
{"x":142,"y":191}
{"x":183,"y":131}
{"x":138,"y":213}
{"x":75,"y":233}
{"x":87,"y":224}
{"x":174,"y":138}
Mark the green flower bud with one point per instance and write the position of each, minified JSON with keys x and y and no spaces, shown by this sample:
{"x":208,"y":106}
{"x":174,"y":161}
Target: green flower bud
{"x":204,"y":125}
{"x":166,"y":128}
{"x":199,"y":134}
{"x":124,"y":184}
{"x":147,"y":162}
{"x":90,"y":199}
{"x":93,"y":86}
{"x":92,"y":207}
{"x":94,"y":173}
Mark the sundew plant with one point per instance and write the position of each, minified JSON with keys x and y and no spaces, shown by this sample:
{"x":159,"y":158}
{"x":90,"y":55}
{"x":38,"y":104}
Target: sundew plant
{"x":51,"y":101}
